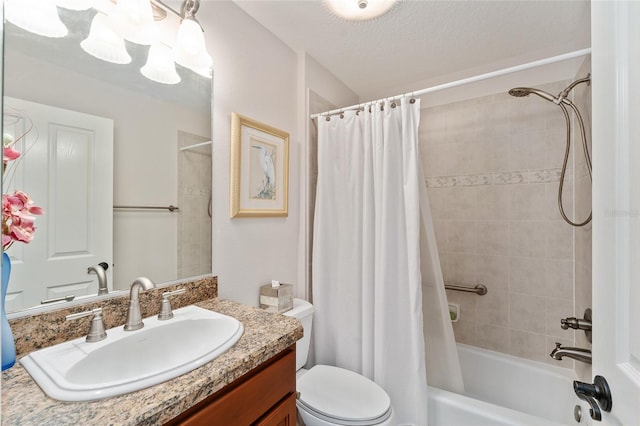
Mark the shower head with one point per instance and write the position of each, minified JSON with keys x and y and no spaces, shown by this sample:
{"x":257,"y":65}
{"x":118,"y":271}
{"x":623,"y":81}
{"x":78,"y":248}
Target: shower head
{"x":520,"y":92}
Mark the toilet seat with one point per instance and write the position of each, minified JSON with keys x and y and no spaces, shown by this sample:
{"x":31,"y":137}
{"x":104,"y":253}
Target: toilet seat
{"x":341,"y":396}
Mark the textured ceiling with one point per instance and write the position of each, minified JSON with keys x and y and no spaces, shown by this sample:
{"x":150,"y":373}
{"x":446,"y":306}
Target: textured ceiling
{"x":423,"y":41}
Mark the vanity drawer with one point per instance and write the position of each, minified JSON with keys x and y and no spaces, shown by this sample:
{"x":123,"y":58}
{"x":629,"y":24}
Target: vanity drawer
{"x":283,"y":414}
{"x":255,"y":397}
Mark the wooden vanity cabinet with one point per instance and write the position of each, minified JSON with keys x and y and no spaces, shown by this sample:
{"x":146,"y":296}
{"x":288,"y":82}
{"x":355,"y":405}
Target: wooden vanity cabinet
{"x":265,"y":396}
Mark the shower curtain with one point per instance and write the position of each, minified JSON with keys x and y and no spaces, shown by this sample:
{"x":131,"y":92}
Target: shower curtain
{"x":367,"y":291}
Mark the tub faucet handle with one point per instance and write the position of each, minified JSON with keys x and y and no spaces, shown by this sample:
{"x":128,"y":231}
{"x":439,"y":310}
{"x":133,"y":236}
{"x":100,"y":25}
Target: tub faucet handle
{"x":579,"y":323}
{"x":598,"y":395}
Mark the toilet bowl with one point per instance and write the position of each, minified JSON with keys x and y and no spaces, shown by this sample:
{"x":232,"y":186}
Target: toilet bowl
{"x":333,"y":396}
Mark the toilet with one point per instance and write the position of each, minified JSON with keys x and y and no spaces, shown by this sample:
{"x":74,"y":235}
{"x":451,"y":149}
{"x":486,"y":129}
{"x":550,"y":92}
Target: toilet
{"x":333,"y":396}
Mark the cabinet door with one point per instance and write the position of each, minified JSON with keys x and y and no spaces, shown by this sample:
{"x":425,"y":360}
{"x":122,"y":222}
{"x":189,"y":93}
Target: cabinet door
{"x":283,"y":414}
{"x":246,"y":401}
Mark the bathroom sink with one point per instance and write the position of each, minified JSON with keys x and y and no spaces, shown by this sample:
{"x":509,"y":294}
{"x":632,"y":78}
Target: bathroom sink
{"x":127,"y":361}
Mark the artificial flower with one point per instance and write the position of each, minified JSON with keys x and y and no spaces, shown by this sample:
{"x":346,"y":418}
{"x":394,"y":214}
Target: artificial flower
{"x":18,"y":210}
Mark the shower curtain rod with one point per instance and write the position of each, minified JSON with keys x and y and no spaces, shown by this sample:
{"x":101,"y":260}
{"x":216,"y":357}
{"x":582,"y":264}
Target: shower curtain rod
{"x":480,"y":77}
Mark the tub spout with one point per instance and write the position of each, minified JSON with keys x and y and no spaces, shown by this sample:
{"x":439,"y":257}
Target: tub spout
{"x":579,"y":354}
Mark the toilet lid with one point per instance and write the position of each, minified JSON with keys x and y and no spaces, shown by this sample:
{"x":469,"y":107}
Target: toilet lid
{"x":342,"y":394}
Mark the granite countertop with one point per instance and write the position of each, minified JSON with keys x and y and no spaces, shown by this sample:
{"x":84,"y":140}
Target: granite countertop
{"x":265,"y":335}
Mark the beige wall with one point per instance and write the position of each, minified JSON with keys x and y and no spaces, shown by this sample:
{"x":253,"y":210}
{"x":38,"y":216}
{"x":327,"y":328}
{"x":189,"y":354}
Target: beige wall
{"x":492,"y":166}
{"x":254,"y":75}
{"x":257,"y":75}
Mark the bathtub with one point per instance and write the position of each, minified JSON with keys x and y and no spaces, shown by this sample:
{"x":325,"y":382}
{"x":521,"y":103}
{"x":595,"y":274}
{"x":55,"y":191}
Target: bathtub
{"x":505,"y":390}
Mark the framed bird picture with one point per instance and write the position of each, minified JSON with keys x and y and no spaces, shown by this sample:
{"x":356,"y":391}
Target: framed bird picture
{"x":259,"y":169}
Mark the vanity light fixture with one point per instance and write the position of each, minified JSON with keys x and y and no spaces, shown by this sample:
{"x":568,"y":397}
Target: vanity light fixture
{"x":360,"y":10}
{"x":133,"y":19}
{"x":181,"y":39}
{"x":103,"y":43}
{"x":36,"y":16}
{"x":160,"y":66}
{"x":190,"y":50}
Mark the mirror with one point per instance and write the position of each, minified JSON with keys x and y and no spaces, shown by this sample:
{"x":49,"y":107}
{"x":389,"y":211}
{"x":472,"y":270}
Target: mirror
{"x":160,"y":157}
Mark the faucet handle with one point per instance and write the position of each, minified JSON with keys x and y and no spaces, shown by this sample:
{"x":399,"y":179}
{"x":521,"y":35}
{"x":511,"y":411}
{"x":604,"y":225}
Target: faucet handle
{"x":96,"y":329}
{"x":579,"y":323}
{"x":165,"y":308}
{"x":598,"y":395}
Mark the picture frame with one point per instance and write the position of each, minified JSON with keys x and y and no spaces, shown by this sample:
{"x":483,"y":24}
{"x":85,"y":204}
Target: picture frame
{"x":259,"y":169}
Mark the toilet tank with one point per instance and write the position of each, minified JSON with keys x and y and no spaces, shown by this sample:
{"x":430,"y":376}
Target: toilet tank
{"x":303,"y":311}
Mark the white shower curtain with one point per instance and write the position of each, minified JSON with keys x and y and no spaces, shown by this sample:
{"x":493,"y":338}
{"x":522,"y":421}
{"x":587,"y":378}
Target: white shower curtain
{"x":367,"y":279}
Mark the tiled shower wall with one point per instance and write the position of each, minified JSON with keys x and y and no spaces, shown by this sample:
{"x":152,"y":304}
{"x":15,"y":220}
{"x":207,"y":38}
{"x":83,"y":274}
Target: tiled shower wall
{"x":194,"y":198}
{"x":492,"y":166}
{"x":583,"y":273}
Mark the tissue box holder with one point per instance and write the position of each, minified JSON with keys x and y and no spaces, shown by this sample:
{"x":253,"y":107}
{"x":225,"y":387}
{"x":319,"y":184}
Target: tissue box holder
{"x":276,"y":299}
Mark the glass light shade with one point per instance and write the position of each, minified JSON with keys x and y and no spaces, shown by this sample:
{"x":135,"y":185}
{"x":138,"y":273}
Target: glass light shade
{"x":160,"y":66}
{"x":190,"y":37}
{"x":133,"y":20}
{"x":190,"y":50}
{"x":36,"y":16}
{"x":75,"y":4}
{"x":200,"y":63}
{"x":105,"y":44}
{"x":360,"y":10}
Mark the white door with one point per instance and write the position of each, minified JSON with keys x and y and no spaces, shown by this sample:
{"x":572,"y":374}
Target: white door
{"x":66,"y":167}
{"x":616,"y":205}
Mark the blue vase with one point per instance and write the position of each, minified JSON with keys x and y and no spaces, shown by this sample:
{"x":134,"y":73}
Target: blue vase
{"x":8,"y":345}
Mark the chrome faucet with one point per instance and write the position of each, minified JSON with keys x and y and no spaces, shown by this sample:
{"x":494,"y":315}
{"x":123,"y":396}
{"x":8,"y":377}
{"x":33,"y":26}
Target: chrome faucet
{"x":100,"y":270}
{"x":579,"y":354}
{"x":134,"y":318}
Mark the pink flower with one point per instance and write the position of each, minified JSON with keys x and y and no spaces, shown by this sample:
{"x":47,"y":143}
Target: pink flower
{"x":18,"y":210}
{"x":9,"y":154}
{"x":18,"y":217}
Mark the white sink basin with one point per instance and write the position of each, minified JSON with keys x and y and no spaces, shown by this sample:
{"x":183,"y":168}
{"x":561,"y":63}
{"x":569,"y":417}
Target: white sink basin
{"x":128,"y":361}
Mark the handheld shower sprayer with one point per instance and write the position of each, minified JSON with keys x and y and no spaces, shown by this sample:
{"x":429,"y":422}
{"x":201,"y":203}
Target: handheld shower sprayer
{"x":562,"y":100}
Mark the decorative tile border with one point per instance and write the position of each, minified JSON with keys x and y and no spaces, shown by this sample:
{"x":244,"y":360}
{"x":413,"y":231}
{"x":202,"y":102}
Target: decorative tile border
{"x":504,"y":178}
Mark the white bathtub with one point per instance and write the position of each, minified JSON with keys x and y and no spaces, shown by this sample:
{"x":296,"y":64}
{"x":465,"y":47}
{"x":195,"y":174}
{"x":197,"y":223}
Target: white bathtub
{"x":504,"y":390}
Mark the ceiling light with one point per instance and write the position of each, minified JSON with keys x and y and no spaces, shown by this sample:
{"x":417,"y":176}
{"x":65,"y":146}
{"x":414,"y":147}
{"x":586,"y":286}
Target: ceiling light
{"x":160,"y":66}
{"x":103,"y":43}
{"x":360,"y":10}
{"x":36,"y":16}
